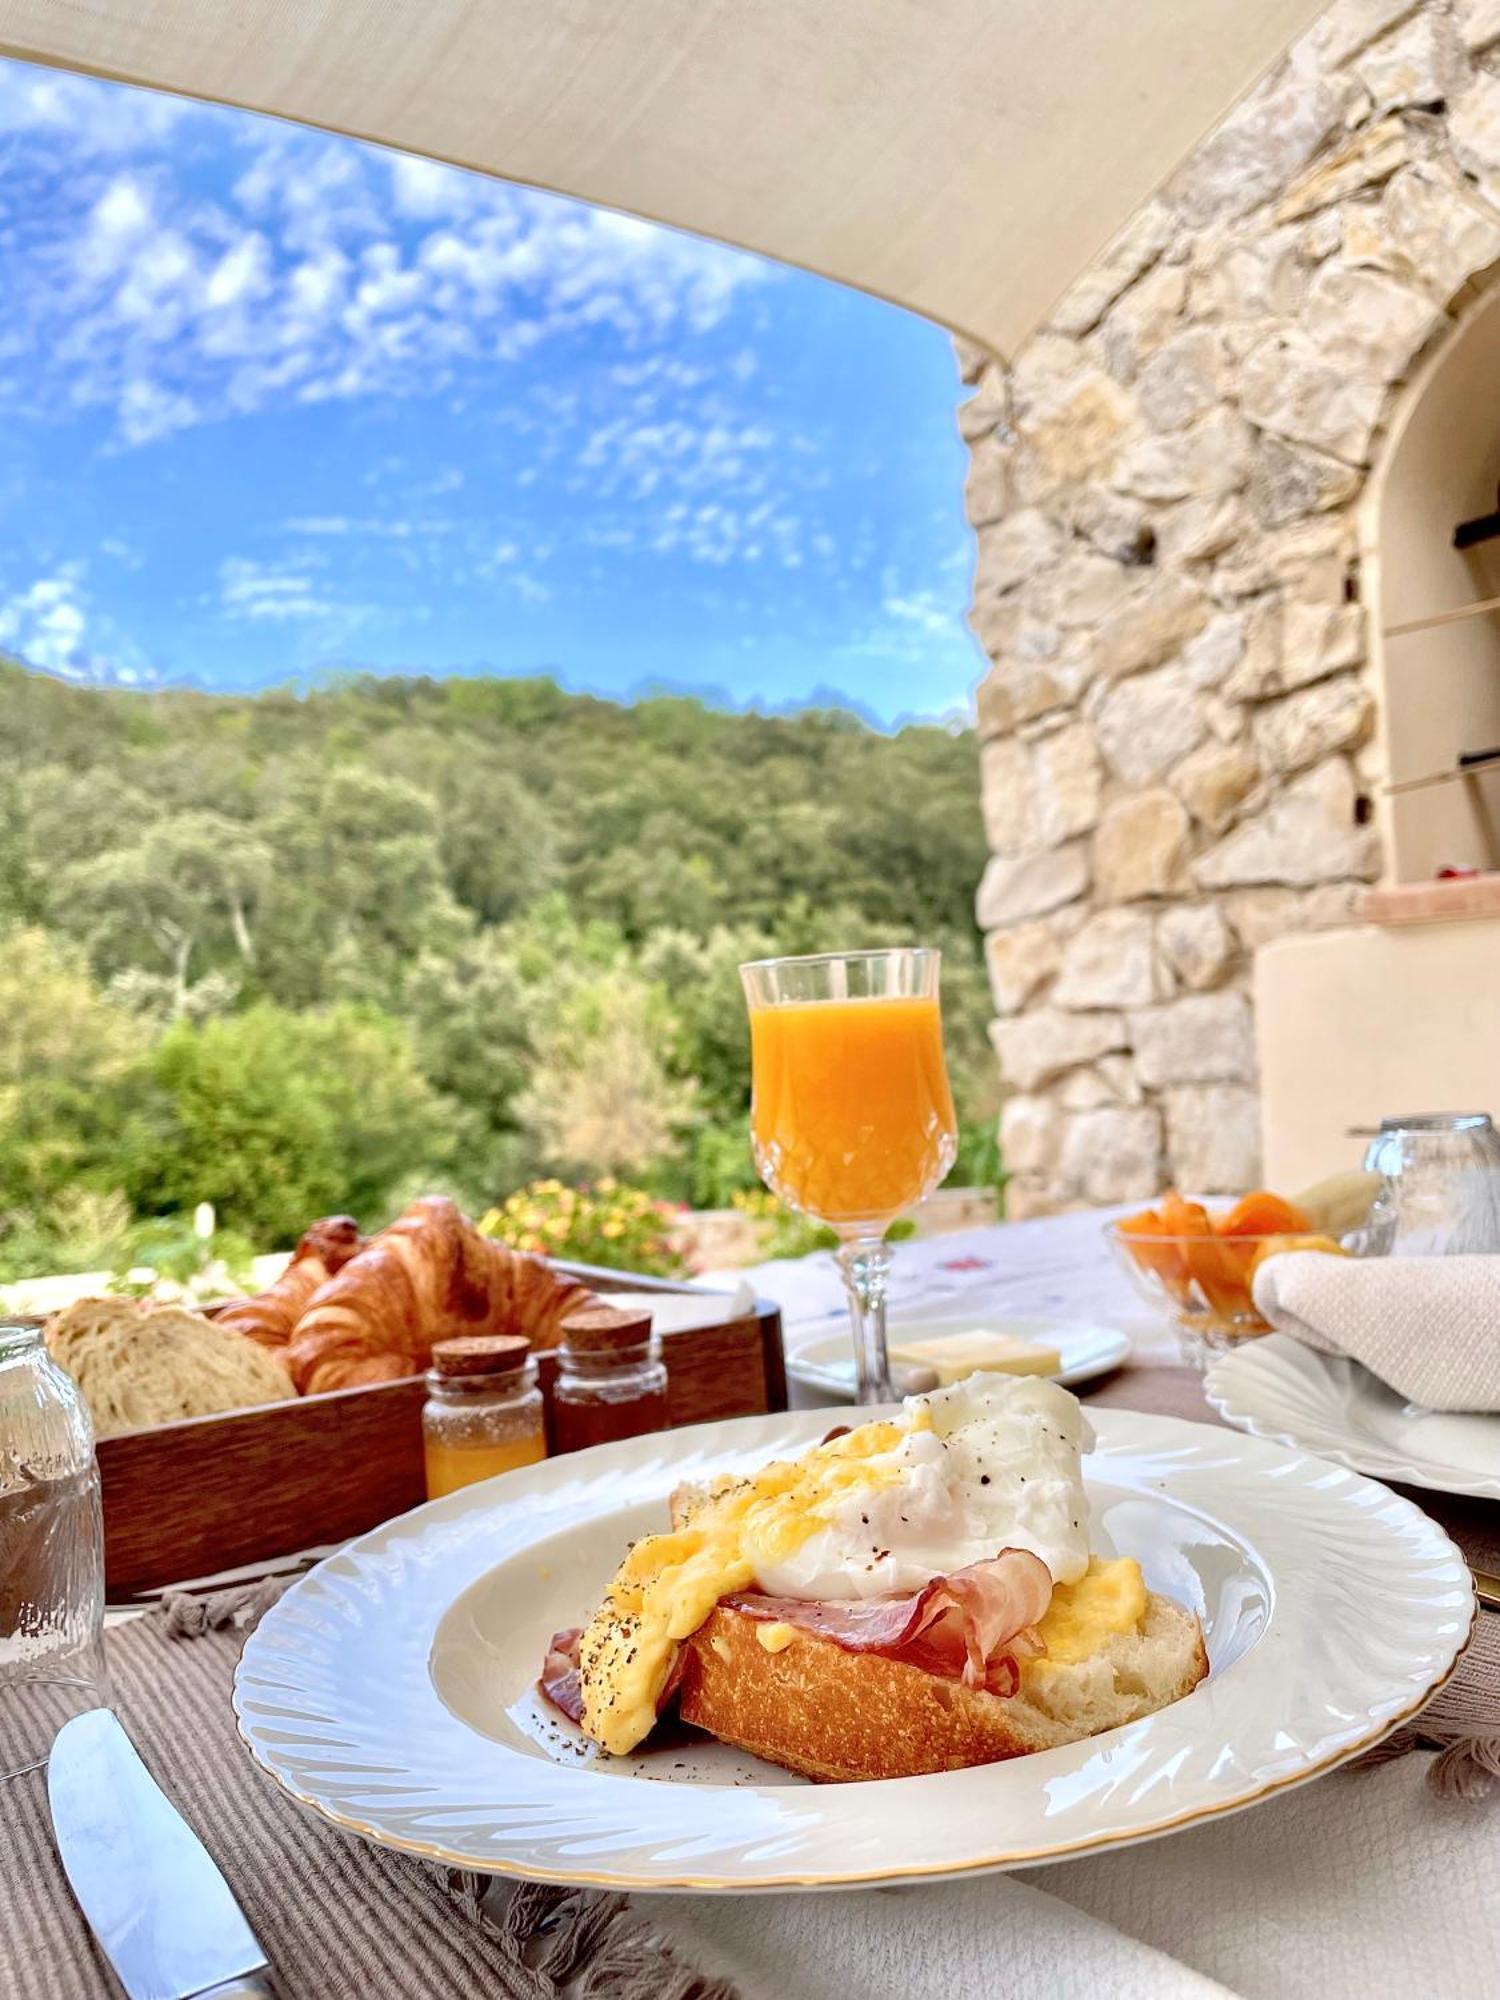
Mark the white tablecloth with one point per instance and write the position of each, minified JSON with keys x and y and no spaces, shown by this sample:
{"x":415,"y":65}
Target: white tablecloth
{"x":1362,"y":1884}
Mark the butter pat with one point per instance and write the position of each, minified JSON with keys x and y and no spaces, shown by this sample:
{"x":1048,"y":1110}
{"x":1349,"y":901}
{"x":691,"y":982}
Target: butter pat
{"x":777,"y":1636}
{"x":956,"y":1355}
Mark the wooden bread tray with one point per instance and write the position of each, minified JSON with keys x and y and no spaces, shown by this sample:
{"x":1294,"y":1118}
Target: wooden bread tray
{"x":210,"y":1494}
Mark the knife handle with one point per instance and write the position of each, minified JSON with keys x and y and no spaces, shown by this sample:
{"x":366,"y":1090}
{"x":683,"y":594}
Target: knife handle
{"x":249,"y":1986}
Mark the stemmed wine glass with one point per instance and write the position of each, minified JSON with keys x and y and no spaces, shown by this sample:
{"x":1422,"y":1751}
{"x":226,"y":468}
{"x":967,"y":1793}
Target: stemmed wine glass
{"x":851,"y":1114}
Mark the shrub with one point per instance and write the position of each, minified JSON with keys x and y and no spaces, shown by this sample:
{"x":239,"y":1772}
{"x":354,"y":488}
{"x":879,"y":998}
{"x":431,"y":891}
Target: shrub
{"x":607,"y":1223}
{"x":786,"y":1233}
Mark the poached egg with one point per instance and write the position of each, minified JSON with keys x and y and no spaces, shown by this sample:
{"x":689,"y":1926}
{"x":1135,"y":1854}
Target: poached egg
{"x":958,"y":1475}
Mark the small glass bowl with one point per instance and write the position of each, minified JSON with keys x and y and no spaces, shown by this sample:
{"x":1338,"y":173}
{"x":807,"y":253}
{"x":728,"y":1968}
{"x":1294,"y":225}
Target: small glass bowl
{"x":1200,"y":1285}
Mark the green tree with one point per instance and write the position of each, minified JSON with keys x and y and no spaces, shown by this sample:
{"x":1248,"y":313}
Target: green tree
{"x":471,"y":1016}
{"x":498,"y":841}
{"x":66,"y":1060}
{"x":357,"y":889}
{"x":277,"y":1118}
{"x":600,"y":1097}
{"x":178,"y":898}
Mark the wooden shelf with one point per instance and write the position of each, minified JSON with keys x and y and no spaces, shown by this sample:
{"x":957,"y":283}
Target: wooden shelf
{"x":1474,"y":770}
{"x":1439,"y":618}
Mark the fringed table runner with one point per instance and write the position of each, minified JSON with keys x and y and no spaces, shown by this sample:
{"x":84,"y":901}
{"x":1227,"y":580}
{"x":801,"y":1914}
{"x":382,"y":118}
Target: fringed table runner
{"x":339,"y":1919}
{"x":343,"y":1920}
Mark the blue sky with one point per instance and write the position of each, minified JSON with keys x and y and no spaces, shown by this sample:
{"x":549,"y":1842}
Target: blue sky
{"x":276,"y":404}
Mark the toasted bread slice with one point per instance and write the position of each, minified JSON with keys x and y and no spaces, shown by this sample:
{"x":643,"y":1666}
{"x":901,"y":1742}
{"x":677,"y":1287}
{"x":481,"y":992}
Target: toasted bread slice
{"x":817,"y":1708}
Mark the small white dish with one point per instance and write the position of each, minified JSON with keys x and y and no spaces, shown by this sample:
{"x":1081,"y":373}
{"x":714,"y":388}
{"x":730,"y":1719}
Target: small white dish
{"x":1085,"y":1347}
{"x":1279,"y":1388}
{"x":392,"y":1689}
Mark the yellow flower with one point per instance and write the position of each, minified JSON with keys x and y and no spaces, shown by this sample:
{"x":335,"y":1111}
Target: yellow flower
{"x":556,"y":1227}
{"x":528,"y":1241}
{"x":614,"y":1227}
{"x":607,"y":1185}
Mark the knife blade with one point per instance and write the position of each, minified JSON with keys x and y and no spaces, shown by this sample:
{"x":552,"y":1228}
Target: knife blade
{"x":164,"y":1915}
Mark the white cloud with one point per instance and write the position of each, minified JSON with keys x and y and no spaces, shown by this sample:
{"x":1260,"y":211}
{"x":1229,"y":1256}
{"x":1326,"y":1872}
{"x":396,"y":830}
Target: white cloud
{"x":241,"y":274}
{"x":94,"y":118}
{"x":148,"y":411}
{"x":325,"y":271}
{"x":255,"y":590}
{"x":427,"y":188}
{"x":923,"y":609}
{"x":117,"y":220}
{"x":47,"y":624}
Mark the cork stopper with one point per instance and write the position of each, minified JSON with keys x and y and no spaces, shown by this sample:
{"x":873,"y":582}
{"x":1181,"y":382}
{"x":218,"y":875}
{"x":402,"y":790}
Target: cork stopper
{"x":605,"y":1329}
{"x":480,"y":1354}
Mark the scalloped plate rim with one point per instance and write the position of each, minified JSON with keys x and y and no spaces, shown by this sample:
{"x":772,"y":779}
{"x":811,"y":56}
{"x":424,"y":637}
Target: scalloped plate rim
{"x":268,"y":1673}
{"x":1355,"y":1453}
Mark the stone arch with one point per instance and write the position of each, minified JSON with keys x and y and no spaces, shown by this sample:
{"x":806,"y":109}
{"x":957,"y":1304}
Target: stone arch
{"x":1181,"y":721}
{"x":1438,"y":684}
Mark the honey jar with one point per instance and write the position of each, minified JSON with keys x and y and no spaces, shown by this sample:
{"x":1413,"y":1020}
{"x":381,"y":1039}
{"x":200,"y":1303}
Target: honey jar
{"x":483,"y":1412}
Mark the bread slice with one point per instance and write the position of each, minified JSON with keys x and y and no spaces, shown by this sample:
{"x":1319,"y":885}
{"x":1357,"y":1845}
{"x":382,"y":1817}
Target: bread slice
{"x":139,"y":1365}
{"x":817,"y":1708}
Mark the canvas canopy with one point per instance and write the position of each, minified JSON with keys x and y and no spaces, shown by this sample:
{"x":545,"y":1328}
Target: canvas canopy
{"x":965,"y":158}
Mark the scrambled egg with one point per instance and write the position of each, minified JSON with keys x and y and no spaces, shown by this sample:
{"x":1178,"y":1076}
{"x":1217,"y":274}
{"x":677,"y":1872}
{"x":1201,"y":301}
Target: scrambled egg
{"x":1109,"y":1597}
{"x":668,"y":1584}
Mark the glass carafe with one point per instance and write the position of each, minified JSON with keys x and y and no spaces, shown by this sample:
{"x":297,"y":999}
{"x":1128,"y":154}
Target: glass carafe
{"x":1439,"y":1194}
{"x":51,"y":1552}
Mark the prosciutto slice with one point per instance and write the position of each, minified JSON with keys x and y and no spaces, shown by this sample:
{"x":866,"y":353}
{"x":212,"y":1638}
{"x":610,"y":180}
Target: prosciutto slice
{"x":559,"y":1676}
{"x":974,"y":1626}
{"x":559,"y":1679}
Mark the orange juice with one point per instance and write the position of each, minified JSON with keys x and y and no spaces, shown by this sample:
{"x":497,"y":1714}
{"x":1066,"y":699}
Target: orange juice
{"x":851,"y":1116}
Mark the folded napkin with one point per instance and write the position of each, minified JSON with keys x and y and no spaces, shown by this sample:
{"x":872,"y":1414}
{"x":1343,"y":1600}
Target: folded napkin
{"x":1428,"y":1326}
{"x":997,"y":1938}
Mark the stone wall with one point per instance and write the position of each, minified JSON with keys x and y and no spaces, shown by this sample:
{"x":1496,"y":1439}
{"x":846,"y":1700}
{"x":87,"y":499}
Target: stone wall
{"x":1178,"y":722}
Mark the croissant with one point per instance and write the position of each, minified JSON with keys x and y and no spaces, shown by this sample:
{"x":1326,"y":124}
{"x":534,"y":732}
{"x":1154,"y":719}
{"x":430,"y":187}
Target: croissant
{"x":270,"y":1317}
{"x":430,"y":1276}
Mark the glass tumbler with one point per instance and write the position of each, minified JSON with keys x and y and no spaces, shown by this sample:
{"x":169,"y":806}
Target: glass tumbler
{"x":1440,"y":1187}
{"x":51,"y":1552}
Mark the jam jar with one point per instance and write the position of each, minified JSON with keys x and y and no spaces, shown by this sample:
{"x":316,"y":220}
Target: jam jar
{"x":611,"y":1380}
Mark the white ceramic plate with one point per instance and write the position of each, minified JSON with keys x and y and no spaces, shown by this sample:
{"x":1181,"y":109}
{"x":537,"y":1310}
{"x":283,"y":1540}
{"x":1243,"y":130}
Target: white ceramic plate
{"x":1084,"y":1347}
{"x":392,"y":1688}
{"x":1278,"y":1388}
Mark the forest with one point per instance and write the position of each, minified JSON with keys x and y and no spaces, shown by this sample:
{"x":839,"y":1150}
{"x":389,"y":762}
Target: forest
{"x":291,"y":953}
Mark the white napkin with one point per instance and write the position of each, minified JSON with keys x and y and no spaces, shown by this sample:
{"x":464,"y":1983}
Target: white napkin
{"x":686,"y":1312}
{"x":1428,"y":1326}
{"x":996,"y":1938}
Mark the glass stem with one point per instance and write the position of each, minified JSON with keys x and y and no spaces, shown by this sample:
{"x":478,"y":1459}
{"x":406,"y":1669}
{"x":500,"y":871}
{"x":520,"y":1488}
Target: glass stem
{"x":865,"y":1262}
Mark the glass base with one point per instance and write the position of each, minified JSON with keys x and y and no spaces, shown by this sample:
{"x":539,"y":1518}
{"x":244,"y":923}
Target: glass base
{"x":34,"y":1707}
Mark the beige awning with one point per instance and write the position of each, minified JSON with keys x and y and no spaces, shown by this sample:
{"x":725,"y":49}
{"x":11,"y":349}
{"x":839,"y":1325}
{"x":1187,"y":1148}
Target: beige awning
{"x":966,"y":158}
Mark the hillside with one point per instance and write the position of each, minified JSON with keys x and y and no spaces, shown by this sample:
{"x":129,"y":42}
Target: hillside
{"x":289,"y":952}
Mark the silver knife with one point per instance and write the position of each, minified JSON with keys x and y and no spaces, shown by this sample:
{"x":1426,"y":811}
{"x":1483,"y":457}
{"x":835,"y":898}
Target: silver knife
{"x":154,"y":1899}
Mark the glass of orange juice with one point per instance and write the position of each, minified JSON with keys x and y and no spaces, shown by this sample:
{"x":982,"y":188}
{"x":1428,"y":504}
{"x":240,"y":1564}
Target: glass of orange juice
{"x":851,"y":1114}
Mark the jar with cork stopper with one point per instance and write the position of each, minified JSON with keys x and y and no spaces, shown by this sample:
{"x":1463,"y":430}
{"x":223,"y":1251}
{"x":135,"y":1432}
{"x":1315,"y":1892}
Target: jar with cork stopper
{"x":483,"y":1412}
{"x":611,"y":1380}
